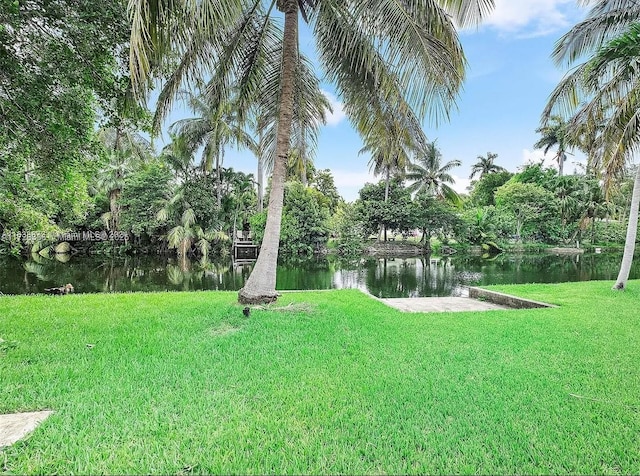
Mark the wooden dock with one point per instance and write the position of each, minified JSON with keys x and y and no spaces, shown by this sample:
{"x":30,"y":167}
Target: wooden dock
{"x":244,"y":248}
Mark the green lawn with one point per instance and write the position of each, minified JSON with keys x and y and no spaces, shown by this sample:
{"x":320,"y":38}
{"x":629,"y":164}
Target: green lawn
{"x":333,"y":383}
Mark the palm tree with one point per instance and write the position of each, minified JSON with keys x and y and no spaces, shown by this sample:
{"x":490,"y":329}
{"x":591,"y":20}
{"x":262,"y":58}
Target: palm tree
{"x":602,"y":96}
{"x":428,"y":175}
{"x":391,"y":140}
{"x":554,"y":135}
{"x":374,"y":51}
{"x":125,"y":148}
{"x":179,"y":155}
{"x":486,"y":165}
{"x":214,"y":128}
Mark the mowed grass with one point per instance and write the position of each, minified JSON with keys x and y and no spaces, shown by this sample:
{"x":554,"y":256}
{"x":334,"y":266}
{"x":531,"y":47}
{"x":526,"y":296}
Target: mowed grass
{"x":333,"y":382}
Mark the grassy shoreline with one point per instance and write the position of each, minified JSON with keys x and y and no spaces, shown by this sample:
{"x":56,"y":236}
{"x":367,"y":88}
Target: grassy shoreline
{"x":333,"y":382}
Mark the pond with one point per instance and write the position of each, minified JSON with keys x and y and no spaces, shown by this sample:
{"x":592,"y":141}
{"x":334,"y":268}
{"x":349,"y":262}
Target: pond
{"x":382,"y":277}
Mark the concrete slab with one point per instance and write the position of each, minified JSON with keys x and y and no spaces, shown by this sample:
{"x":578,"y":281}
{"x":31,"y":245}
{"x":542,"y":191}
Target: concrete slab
{"x":16,"y":426}
{"x":441,"y":304}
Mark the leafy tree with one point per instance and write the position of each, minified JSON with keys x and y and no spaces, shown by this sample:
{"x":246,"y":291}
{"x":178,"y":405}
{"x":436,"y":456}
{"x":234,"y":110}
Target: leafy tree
{"x":368,"y":50}
{"x":324,"y":183}
{"x":484,"y":190}
{"x":385,"y":206}
{"x":536,"y":174}
{"x":305,"y":227}
{"x":486,"y":226}
{"x":568,"y":194}
{"x":435,"y":217}
{"x":530,"y":204}
{"x":144,"y":193}
{"x":58,"y":66}
{"x":485,"y":166}
{"x":57,"y":63}
{"x":349,"y":231}
{"x":199,"y":194}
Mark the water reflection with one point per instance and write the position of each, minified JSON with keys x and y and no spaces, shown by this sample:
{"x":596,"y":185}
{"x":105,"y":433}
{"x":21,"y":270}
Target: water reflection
{"x":383,"y":277}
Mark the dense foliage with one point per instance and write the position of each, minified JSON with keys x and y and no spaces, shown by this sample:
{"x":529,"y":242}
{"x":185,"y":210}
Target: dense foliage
{"x":60,"y":65}
{"x":74,"y":157}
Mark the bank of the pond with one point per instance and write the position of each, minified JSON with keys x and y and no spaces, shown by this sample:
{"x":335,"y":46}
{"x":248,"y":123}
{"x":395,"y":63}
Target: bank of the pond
{"x":159,"y":383}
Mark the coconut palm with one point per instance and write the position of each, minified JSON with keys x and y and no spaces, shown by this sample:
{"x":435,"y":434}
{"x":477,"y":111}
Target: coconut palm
{"x":486,"y":165}
{"x":428,"y":174}
{"x":554,"y":135}
{"x":215,"y":126}
{"x":391,"y":140}
{"x":374,"y":51}
{"x":602,"y":94}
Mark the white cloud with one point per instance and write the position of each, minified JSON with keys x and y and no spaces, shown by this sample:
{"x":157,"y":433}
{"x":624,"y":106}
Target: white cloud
{"x":575,"y":162}
{"x":539,"y":157}
{"x":346,"y":178}
{"x":461,"y":184}
{"x":530,"y":17}
{"x":350,"y":182}
{"x":334,"y":118}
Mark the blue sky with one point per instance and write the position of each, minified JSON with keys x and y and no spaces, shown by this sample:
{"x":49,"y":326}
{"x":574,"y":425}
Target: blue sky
{"x":509,"y":79}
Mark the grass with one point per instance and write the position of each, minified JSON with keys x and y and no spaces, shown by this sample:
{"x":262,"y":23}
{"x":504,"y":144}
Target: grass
{"x":335,"y":382}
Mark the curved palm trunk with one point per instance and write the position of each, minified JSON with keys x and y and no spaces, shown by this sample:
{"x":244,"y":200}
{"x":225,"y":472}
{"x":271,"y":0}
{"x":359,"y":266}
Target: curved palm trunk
{"x":386,"y":197}
{"x":260,"y":175}
{"x":261,"y":285}
{"x":260,"y":185}
{"x":632,"y":230}
{"x":218,"y":182}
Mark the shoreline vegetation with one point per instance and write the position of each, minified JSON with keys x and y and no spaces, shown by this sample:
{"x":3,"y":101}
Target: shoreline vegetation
{"x":323,"y":382}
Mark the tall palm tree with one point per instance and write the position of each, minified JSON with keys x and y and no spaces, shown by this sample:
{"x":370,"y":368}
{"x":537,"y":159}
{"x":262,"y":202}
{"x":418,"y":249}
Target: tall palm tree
{"x":486,"y":165}
{"x":391,"y":139}
{"x":428,"y":174}
{"x":374,"y":51}
{"x":554,"y":134}
{"x":125,"y":148}
{"x":215,"y":126}
{"x":602,"y":95}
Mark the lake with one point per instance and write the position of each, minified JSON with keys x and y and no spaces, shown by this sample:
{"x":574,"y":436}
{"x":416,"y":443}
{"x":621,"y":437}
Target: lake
{"x":382,"y":277}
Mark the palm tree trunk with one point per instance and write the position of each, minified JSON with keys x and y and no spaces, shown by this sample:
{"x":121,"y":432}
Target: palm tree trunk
{"x":303,"y":152}
{"x":632,"y":230}
{"x":261,"y":285}
{"x":260,"y":185}
{"x":386,"y":197}
{"x":114,"y":195}
{"x":219,"y":181}
{"x":260,"y":174}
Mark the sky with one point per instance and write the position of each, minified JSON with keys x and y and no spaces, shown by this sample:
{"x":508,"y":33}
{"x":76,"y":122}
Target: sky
{"x":509,"y":78}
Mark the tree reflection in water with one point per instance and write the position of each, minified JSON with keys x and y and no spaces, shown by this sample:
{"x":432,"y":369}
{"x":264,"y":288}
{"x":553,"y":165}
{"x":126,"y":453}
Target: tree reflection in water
{"x":382,"y":277}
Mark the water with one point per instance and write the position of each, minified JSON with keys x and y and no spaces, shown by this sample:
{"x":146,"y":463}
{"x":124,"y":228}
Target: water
{"x":383,"y":277}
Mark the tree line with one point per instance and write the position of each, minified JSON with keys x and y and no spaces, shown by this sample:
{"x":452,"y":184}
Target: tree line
{"x":76,"y":76}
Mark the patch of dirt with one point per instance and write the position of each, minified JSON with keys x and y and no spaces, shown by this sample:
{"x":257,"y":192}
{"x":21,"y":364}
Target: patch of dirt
{"x":224,"y":329}
{"x":291,"y":307}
